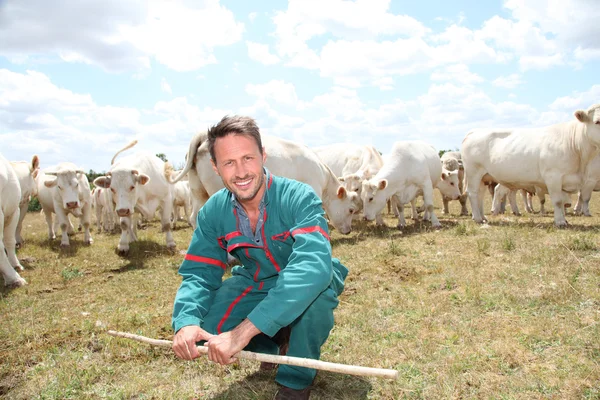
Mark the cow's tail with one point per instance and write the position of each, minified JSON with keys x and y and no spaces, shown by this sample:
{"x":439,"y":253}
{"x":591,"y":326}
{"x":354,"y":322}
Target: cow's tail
{"x":168,"y":172}
{"x":130,"y":145}
{"x":190,"y":156}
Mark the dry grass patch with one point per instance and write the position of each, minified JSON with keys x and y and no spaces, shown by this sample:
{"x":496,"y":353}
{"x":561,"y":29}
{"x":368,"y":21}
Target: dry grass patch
{"x":503,"y":310}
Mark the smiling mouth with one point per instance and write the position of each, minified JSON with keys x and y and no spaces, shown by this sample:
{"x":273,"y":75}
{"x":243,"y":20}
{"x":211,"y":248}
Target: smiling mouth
{"x":243,"y":183}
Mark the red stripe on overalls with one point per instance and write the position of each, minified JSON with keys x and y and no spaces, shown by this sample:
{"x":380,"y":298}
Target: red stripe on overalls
{"x":206,"y":260}
{"x":310,"y":229}
{"x":230,"y":308}
{"x":266,"y":245}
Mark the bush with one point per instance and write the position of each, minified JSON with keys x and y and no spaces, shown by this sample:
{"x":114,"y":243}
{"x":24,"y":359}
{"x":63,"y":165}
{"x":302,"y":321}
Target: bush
{"x":34,"y":205}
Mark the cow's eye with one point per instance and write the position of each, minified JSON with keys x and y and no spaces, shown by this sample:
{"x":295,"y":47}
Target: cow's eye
{"x":59,"y":187}
{"x":131,"y":188}
{"x":370,"y":199}
{"x":113,"y":190}
{"x":451,"y":183}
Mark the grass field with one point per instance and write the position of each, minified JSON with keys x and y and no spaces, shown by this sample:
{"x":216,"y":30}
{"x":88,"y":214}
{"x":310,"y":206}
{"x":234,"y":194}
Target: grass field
{"x":506,"y":310}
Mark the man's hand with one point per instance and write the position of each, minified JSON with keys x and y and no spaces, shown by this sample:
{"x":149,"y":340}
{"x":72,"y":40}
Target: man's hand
{"x":223,"y":347}
{"x":184,"y":342}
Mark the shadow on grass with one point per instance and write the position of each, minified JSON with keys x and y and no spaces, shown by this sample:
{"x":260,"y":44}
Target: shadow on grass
{"x":327,"y":386}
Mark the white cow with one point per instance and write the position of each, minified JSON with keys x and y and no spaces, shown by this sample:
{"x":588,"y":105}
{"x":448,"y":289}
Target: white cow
{"x":413,"y":168}
{"x":26,"y":173}
{"x":352,"y":163}
{"x":555,"y":158}
{"x":182,"y":198}
{"x":452,"y":161}
{"x":139,"y":182}
{"x":65,"y":190}
{"x":10,"y":196}
{"x":284,"y":158}
{"x":105,"y":210}
{"x":591,"y":184}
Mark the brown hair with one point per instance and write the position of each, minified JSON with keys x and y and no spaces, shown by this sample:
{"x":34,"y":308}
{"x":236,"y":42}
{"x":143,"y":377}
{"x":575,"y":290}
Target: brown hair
{"x":233,"y":125}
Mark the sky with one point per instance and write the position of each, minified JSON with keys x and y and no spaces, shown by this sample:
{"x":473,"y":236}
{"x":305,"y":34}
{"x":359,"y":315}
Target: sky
{"x":79,"y":79}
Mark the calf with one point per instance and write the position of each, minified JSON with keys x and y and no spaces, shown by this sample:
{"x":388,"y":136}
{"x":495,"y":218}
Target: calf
{"x":64,"y":190}
{"x":413,"y":168}
{"x":139,"y":182}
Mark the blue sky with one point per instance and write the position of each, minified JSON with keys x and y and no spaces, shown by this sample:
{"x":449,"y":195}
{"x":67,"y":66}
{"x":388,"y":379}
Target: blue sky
{"x":79,"y":79}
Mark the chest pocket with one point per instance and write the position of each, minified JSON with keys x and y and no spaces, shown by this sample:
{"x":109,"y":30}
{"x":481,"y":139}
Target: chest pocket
{"x":283,"y":242}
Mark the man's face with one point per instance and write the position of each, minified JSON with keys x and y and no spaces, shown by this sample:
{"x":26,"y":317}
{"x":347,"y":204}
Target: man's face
{"x":240,"y":165}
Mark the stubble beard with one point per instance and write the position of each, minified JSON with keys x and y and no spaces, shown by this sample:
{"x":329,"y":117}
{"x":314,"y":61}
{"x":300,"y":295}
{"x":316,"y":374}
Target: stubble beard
{"x":245,"y":197}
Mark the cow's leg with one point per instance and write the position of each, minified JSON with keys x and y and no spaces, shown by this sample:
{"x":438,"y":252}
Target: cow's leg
{"x":463,"y":204}
{"x":99,"y":216}
{"x":23,"y":211}
{"x":445,"y":200}
{"x":167,"y":209}
{"x":414,"y":210}
{"x":428,"y":204}
{"x":401,"y":220}
{"x":186,"y":210}
{"x":557,"y":198}
{"x":475,"y":191}
{"x":379,"y":218}
{"x":583,"y":200}
{"x":10,"y":242}
{"x":85,"y":221}
{"x":63,"y":221}
{"x":11,"y":277}
{"x":542,"y":198}
{"x":51,"y":230}
{"x":512,"y":199}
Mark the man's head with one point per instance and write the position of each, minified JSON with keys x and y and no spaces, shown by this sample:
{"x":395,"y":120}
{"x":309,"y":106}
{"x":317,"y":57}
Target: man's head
{"x":238,"y":157}
{"x":236,"y":124}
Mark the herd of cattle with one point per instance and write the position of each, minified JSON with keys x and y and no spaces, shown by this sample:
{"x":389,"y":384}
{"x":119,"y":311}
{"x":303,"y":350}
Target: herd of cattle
{"x":556,"y":160}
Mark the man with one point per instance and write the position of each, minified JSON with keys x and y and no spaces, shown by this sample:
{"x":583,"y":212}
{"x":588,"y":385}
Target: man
{"x":277,"y":229}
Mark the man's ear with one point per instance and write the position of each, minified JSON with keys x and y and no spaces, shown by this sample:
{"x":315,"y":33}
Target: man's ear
{"x":264,"y":154}
{"x":214,"y":166}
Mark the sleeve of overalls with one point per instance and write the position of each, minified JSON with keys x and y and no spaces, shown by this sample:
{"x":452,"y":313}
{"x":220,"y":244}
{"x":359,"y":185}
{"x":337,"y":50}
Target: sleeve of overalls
{"x":307,"y":273}
{"x":202,"y":271}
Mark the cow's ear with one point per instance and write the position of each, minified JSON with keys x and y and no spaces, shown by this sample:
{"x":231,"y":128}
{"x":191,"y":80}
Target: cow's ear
{"x":582,"y":116}
{"x":35,"y":163}
{"x":382,"y":184}
{"x":51,"y":183}
{"x":35,"y":173}
{"x":143,"y":179}
{"x":341,"y":193}
{"x":102,"y":181}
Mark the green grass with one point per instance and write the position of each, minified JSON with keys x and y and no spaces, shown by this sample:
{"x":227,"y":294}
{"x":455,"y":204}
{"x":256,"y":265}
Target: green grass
{"x":506,"y":310}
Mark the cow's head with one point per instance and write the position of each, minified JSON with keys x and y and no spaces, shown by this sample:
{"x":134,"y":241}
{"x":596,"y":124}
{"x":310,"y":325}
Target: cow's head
{"x":448,"y":184}
{"x":123,"y":184}
{"x":373,"y":197}
{"x":341,"y":209}
{"x":67,"y":185}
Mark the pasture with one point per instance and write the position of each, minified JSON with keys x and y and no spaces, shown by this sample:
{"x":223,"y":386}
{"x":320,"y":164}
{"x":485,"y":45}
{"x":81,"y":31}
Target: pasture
{"x":507,"y":310}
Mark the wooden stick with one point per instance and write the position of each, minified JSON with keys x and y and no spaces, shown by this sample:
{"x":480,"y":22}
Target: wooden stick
{"x":275,"y":359}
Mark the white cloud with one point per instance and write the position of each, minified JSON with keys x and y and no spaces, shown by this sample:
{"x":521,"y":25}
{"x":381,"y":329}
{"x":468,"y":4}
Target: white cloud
{"x":164,"y":85}
{"x":456,"y":73}
{"x":509,"y":82}
{"x":252,"y":16}
{"x":578,"y":100}
{"x":260,"y":52}
{"x":118,"y":36}
{"x":36,"y":116}
{"x":277,"y":90}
